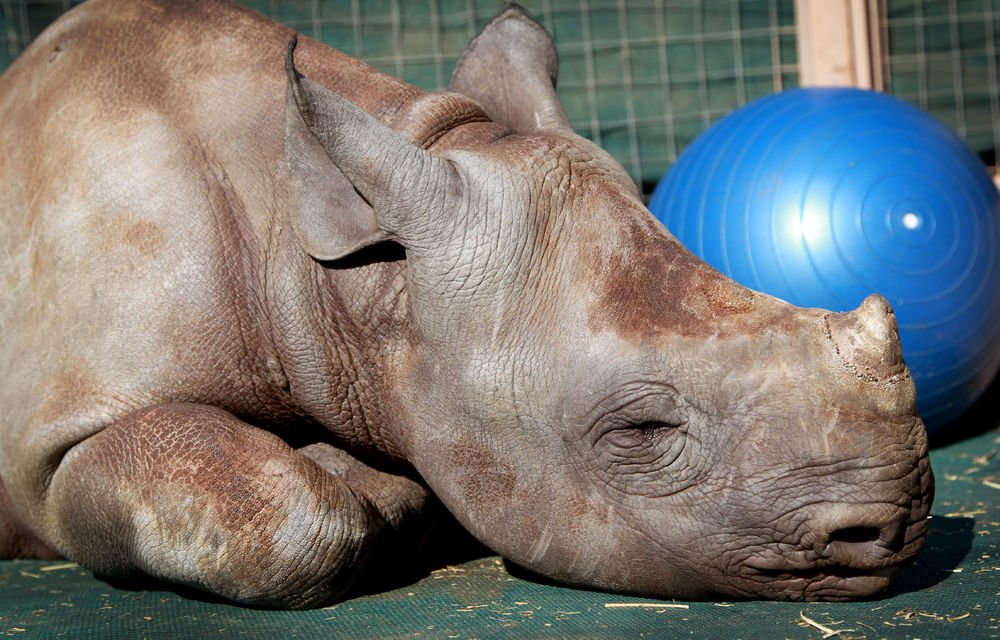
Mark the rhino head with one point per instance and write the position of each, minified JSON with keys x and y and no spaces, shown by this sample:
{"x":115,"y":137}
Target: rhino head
{"x":589,"y":398}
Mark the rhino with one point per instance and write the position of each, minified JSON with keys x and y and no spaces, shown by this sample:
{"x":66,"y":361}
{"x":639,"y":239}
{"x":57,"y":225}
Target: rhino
{"x":264,"y":306}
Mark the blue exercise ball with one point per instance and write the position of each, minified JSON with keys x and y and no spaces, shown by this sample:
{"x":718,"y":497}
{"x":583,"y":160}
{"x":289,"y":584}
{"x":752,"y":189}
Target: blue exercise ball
{"x":823,"y":196}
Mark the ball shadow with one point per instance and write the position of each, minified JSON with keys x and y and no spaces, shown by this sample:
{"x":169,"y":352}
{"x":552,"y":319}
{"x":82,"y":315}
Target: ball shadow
{"x":981,"y":417}
{"x":949,"y":541}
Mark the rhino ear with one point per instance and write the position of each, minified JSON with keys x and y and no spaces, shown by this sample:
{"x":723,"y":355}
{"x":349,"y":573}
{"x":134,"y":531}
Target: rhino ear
{"x":354,"y":181}
{"x":510,"y":69}
{"x":330,"y":218}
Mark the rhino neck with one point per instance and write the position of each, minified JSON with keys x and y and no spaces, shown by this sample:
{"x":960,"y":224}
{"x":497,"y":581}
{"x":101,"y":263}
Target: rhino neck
{"x":338,"y":328}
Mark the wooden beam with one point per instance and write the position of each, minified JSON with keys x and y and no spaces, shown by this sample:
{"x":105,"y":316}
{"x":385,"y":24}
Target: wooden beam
{"x":838,"y":43}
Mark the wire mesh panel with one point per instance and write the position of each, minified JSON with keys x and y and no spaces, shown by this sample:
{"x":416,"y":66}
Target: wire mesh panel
{"x":644,"y":77}
{"x":640,"y":77}
{"x":943,"y":56}
{"x":22,"y":20}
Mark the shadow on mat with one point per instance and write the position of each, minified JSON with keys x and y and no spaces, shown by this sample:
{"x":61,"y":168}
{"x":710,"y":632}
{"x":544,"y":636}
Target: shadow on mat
{"x":148,"y":583}
{"x":948,"y":542}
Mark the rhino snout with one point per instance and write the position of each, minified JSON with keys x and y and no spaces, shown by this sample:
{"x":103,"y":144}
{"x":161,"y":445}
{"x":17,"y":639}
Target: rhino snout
{"x":846,"y":551}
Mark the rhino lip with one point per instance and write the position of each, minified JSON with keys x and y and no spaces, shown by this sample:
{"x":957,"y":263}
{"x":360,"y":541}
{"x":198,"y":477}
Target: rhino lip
{"x":818,"y":572}
{"x":809,"y":564}
{"x":823,"y":581}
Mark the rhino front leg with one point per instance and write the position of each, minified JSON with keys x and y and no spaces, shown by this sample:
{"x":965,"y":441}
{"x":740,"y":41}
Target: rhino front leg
{"x":190,"y":494}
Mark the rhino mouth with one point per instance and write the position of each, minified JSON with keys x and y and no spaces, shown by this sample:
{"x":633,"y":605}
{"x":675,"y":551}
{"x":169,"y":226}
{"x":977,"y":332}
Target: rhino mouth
{"x":831,"y":572}
{"x":834,"y":582}
{"x":820,"y":571}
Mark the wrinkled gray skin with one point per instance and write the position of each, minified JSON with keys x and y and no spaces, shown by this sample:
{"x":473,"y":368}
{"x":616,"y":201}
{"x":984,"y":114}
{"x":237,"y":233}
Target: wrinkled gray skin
{"x":203,"y":268}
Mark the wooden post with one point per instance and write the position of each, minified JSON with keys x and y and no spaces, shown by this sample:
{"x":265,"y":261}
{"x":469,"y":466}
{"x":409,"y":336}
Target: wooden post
{"x":839,"y":43}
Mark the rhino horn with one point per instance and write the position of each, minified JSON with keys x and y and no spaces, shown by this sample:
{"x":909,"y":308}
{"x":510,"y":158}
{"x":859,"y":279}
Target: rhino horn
{"x":335,"y":148}
{"x":867,"y":340}
{"x":510,"y":69}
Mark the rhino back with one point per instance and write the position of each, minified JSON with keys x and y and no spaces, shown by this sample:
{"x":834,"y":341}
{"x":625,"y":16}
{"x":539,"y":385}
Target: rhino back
{"x":143,"y":194}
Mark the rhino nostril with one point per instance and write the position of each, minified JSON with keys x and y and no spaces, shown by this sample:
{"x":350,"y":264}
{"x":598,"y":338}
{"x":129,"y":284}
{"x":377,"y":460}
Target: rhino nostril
{"x":856,"y":535}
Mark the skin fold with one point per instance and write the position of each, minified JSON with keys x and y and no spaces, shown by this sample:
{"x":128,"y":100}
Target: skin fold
{"x":264,"y":304}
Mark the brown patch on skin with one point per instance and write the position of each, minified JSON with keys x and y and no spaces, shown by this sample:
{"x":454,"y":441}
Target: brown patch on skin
{"x":145,"y":237}
{"x":67,"y":392}
{"x":169,"y":452}
{"x":142,"y":236}
{"x":648,"y":284}
{"x":191,"y":491}
{"x":203,"y":457}
{"x":653,"y":284}
{"x":487,"y":482}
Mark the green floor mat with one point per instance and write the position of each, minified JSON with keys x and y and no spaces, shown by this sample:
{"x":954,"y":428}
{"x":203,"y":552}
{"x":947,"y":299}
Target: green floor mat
{"x":952,"y":591}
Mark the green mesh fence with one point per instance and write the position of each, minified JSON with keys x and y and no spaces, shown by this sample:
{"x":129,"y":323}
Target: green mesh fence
{"x":943,"y":56}
{"x":643,"y":78}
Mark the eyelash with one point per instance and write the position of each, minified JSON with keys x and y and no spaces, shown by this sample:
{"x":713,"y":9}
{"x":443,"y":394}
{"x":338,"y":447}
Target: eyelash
{"x":655,"y":428}
{"x":639,"y":435}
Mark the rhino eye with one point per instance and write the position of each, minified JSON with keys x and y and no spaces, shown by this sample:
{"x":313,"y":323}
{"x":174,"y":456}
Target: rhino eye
{"x":637,"y":437}
{"x":641,"y":435}
{"x":634,"y":458}
{"x":642,"y":424}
